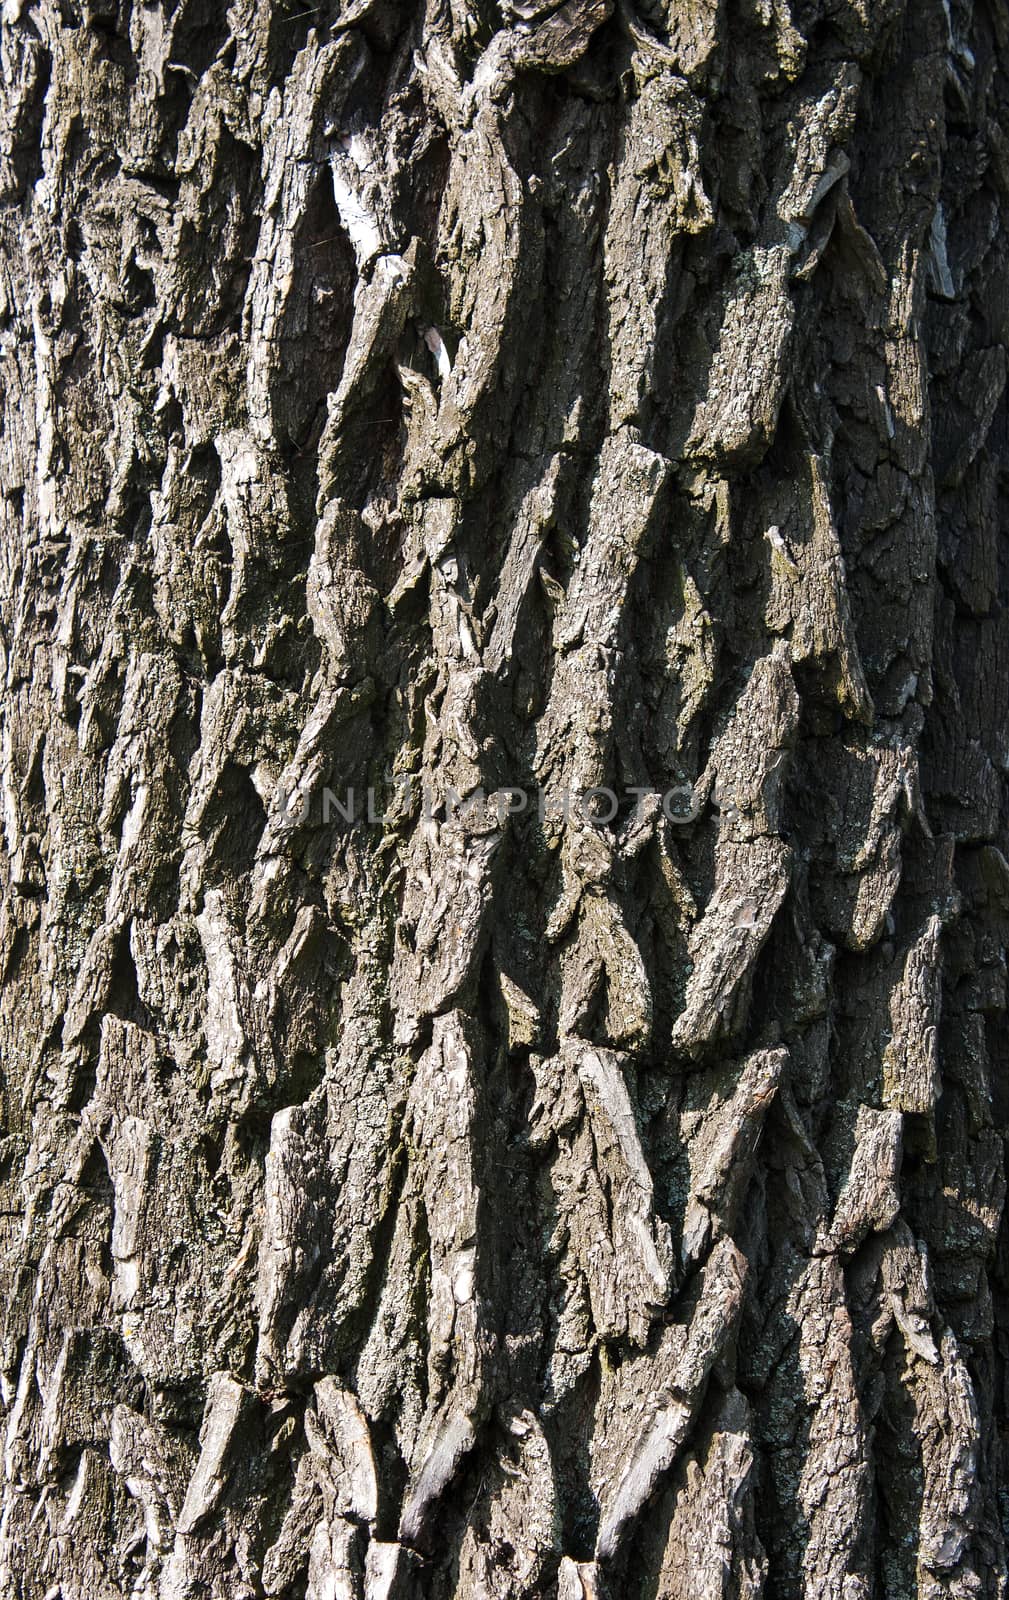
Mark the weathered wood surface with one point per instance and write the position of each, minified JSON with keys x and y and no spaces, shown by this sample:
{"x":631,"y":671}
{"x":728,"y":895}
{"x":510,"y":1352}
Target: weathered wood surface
{"x":534,"y":395}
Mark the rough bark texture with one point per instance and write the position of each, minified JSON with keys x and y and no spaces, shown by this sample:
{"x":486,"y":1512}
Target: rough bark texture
{"x":538,"y":394}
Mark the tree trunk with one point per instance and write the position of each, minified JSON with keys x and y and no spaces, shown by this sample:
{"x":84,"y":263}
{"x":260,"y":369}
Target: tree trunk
{"x":587,"y":1196}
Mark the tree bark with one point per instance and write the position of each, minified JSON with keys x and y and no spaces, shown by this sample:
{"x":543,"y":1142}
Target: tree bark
{"x":480,"y":1200}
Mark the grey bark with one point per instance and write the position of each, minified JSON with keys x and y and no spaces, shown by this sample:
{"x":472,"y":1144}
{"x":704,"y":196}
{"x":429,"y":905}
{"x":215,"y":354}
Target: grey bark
{"x":525,"y":395}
